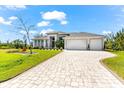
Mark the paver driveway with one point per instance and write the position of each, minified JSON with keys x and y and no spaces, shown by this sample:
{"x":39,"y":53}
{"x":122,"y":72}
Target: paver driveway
{"x":68,"y":69}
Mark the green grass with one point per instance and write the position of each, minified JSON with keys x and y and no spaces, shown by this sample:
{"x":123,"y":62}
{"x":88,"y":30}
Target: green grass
{"x":12,"y":64}
{"x":116,"y":64}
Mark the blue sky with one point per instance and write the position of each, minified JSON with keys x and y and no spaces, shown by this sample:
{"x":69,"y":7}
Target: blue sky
{"x":94,"y":19}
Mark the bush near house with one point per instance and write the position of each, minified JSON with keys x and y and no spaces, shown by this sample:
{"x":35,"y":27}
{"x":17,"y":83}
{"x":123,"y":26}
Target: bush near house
{"x":59,"y":44}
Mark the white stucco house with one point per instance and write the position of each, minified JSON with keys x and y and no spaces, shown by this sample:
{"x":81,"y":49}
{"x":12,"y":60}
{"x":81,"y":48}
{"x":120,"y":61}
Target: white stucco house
{"x":72,"y":41}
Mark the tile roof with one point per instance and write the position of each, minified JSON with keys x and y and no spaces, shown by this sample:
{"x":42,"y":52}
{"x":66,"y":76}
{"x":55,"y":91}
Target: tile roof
{"x":56,"y":32}
{"x":84,"y":34}
{"x":40,"y":38}
{"x":73,"y":34}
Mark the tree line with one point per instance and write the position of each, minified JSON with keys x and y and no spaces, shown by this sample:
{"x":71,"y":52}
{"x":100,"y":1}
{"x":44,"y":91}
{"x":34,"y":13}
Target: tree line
{"x":115,"y":41}
{"x":17,"y":43}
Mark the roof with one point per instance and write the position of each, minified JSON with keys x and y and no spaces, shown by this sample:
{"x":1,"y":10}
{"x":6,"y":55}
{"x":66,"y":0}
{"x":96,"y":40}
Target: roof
{"x":40,"y":38}
{"x":83,"y":34}
{"x":74,"y":34}
{"x":56,"y":32}
{"x":71,"y":35}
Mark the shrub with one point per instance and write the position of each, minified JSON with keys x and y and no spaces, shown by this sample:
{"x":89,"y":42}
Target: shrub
{"x":35,"y":47}
{"x":24,"y":49}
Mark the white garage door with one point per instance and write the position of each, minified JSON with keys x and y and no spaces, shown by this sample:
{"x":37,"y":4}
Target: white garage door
{"x":96,"y":44}
{"x":76,"y":44}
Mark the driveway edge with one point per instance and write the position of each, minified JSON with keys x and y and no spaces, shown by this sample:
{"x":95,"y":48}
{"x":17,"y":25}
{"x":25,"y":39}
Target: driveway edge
{"x":112,"y":72}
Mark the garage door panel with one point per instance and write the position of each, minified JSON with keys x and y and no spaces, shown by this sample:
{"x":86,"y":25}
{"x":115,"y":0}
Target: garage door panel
{"x":76,"y":44}
{"x":96,"y":44}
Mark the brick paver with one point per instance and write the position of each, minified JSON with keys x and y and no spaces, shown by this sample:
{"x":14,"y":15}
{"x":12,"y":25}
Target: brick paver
{"x":76,"y":69}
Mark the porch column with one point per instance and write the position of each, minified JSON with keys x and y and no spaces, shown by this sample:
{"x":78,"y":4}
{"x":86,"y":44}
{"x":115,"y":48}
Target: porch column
{"x":37,"y":43}
{"x":65,"y":44}
{"x":33,"y":43}
{"x":44,"y":43}
{"x":48,"y":42}
{"x":40,"y":43}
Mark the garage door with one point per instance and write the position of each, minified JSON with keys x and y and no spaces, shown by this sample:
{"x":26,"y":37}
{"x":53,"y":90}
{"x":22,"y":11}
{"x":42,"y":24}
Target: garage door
{"x":96,"y":44}
{"x":76,"y":44}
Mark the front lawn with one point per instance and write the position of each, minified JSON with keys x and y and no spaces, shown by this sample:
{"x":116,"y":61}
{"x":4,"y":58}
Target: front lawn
{"x":12,"y":64}
{"x":116,"y":64}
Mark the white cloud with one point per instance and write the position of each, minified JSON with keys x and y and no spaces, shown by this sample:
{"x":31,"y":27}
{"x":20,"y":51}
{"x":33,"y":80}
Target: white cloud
{"x":44,"y":31}
{"x":107,"y":32}
{"x":31,"y":32}
{"x":3,"y":21}
{"x":12,"y":18}
{"x":43,"y":23}
{"x":64,"y":22}
{"x":55,"y":15}
{"x":14,"y":7}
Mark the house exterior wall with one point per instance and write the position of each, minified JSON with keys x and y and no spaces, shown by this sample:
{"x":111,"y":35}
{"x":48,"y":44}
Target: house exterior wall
{"x":75,"y":42}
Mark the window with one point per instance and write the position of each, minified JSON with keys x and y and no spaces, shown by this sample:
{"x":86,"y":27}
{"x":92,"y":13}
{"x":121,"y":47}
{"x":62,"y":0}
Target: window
{"x":60,"y":38}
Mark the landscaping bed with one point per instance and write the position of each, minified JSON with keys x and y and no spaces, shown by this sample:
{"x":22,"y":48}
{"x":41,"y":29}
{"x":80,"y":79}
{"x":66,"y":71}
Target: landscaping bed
{"x":116,"y":64}
{"x":12,"y":64}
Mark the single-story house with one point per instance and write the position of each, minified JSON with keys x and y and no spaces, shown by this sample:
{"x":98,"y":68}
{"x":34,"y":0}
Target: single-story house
{"x":72,"y":41}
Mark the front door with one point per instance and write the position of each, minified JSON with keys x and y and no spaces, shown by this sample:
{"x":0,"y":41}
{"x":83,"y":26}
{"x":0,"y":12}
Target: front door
{"x":52,"y":41}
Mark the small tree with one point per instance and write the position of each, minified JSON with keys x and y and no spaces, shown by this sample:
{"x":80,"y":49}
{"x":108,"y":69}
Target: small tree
{"x":59,"y":44}
{"x":23,"y":26}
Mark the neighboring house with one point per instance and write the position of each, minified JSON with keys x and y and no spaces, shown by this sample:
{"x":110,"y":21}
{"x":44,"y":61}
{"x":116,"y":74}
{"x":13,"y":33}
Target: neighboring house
{"x":72,"y":41}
